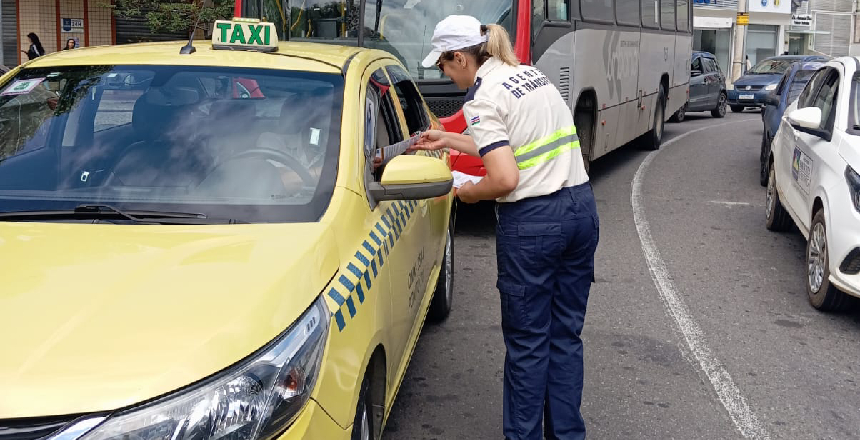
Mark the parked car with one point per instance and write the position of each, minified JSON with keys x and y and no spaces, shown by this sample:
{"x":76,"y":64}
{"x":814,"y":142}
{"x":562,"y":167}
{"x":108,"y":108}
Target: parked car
{"x":750,"y":90}
{"x":813,"y":181}
{"x":707,"y":87}
{"x":788,"y":89}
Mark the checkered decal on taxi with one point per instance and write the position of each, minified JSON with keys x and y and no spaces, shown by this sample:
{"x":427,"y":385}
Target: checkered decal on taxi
{"x":349,"y":288}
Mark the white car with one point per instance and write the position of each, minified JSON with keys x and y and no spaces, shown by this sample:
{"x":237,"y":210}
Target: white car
{"x":814,"y":181}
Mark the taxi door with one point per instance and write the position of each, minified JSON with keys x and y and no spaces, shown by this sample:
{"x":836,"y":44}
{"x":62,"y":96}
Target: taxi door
{"x":408,"y":259}
{"x":811,"y":148}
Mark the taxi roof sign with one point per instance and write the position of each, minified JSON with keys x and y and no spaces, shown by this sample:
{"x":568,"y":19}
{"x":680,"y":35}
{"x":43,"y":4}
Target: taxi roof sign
{"x":245,"y":34}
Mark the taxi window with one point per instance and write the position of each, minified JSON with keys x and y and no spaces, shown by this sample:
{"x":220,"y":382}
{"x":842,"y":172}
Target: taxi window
{"x":382,"y":126}
{"x":417,"y":118}
{"x":245,"y":144}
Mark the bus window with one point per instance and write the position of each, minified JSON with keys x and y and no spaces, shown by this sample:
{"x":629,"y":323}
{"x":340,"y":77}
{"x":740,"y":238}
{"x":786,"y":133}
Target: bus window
{"x":627,"y":12}
{"x":538,"y":16}
{"x":683,"y":16}
{"x":324,"y":20}
{"x":598,"y":10}
{"x":667,"y":13}
{"x":650,"y":13}
{"x":404,"y":27}
{"x":558,"y":10}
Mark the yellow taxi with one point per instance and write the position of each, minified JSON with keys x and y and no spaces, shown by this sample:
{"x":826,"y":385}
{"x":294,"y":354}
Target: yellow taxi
{"x":203,"y":242}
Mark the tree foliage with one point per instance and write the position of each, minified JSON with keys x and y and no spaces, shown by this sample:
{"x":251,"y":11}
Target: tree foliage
{"x":174,"y":16}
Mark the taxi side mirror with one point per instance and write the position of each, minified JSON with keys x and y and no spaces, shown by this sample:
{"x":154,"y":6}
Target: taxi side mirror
{"x":808,"y":118}
{"x":412,"y":177}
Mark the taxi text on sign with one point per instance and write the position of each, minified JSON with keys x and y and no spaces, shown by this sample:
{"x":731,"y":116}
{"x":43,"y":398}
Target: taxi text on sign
{"x":249,"y":34}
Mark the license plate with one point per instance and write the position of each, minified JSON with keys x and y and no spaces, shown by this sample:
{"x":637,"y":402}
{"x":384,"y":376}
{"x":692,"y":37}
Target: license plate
{"x":747,"y":97}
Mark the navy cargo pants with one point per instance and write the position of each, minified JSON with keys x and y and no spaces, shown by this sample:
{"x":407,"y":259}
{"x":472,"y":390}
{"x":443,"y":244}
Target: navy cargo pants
{"x":545,"y":251}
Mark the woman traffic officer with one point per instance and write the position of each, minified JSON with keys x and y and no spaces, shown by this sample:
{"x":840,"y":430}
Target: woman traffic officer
{"x":547,"y":228}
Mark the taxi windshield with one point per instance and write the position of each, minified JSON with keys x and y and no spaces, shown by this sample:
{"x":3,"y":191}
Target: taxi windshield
{"x":245,"y":144}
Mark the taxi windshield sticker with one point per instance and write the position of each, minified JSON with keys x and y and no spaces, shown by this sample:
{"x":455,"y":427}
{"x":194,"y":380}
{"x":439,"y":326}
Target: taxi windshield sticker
{"x":21,"y":86}
{"x":247,"y":34}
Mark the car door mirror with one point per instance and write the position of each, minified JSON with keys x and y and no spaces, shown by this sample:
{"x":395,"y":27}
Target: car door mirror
{"x":808,"y":118}
{"x":412,"y":177}
{"x":695,"y":72}
{"x":772,"y":99}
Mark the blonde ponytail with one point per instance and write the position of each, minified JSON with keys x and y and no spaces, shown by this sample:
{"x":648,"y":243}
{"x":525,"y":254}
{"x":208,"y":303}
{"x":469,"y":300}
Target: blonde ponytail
{"x":499,"y":44}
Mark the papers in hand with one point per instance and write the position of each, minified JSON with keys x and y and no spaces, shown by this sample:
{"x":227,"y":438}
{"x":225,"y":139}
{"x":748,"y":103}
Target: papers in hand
{"x":460,"y":179}
{"x":391,"y":151}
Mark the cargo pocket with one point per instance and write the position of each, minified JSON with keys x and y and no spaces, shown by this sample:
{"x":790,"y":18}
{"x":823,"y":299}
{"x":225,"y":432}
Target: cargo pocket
{"x":513,"y":304}
{"x":540,"y":244}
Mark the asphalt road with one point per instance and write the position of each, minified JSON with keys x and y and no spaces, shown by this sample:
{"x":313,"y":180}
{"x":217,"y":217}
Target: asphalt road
{"x":728,"y":347}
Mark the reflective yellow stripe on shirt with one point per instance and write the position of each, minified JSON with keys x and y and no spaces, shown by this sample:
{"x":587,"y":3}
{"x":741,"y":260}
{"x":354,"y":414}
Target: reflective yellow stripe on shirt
{"x":547,"y":148}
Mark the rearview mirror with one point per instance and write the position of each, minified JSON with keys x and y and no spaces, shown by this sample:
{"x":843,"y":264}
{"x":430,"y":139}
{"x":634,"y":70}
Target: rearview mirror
{"x":808,"y":118}
{"x":412,"y":177}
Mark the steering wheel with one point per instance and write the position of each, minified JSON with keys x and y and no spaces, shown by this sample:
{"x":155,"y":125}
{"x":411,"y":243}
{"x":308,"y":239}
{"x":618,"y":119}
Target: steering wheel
{"x":277,"y":156}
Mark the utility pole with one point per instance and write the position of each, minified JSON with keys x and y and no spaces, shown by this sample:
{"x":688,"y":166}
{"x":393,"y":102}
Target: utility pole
{"x":741,"y":23}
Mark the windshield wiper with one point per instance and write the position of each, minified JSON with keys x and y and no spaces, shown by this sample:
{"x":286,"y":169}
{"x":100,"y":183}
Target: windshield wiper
{"x":108,"y":212}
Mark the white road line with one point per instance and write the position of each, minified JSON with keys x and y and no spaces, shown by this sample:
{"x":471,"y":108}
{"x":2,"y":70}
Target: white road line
{"x":728,"y":203}
{"x":729,"y":393}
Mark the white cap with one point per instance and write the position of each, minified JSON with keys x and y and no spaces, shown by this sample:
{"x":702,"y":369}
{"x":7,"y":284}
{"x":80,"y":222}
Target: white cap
{"x":453,"y":33}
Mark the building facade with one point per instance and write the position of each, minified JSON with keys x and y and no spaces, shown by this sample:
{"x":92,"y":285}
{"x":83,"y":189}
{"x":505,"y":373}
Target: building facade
{"x":715,"y":24}
{"x":88,"y":22}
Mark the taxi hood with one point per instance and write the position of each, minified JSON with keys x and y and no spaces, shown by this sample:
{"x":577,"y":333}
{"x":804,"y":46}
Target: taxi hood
{"x":99,"y":317}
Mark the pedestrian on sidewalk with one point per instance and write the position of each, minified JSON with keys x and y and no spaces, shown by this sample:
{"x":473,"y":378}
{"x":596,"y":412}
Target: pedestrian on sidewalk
{"x":70,"y":44}
{"x":36,"y":50}
{"x":547,"y":223}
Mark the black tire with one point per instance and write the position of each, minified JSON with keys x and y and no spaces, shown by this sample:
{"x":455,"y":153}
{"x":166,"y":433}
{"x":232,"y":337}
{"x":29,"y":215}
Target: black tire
{"x":654,"y":138}
{"x":362,"y":426}
{"x":764,"y":159}
{"x":680,"y":115}
{"x":777,"y":217}
{"x":737,"y":108}
{"x":443,"y":295}
{"x":720,"y":110}
{"x":822,"y":295}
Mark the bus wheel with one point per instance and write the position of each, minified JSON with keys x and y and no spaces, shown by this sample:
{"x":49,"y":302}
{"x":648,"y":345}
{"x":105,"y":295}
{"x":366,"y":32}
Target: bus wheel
{"x":654,"y":138}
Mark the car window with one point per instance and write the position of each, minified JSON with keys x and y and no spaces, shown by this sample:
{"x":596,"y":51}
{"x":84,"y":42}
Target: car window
{"x":801,"y":78}
{"x":697,"y":64}
{"x":780,"y":88}
{"x":416,"y":115}
{"x":854,"y":103}
{"x":382,"y":126}
{"x":826,"y":100}
{"x":711,"y":65}
{"x":806,"y":97}
{"x":171,"y":138}
{"x":771,"y":66}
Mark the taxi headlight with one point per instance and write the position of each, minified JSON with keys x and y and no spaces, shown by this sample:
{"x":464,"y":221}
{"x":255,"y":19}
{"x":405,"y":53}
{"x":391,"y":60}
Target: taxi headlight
{"x":771,"y":87}
{"x":853,"y":186}
{"x":256,"y":399}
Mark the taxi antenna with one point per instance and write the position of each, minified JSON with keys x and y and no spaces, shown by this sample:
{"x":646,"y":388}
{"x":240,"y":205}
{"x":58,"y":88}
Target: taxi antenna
{"x":189,"y":48}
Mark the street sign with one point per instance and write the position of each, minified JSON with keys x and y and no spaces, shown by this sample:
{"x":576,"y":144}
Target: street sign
{"x":743,"y":19}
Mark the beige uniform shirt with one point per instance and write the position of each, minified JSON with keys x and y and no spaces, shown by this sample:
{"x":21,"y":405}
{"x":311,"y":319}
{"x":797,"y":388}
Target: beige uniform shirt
{"x":518,"y":107}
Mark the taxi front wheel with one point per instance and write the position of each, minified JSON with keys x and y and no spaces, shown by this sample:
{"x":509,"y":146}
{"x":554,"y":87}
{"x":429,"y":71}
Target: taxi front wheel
{"x":822,"y":295}
{"x":362,"y":427}
{"x":443,"y":296}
